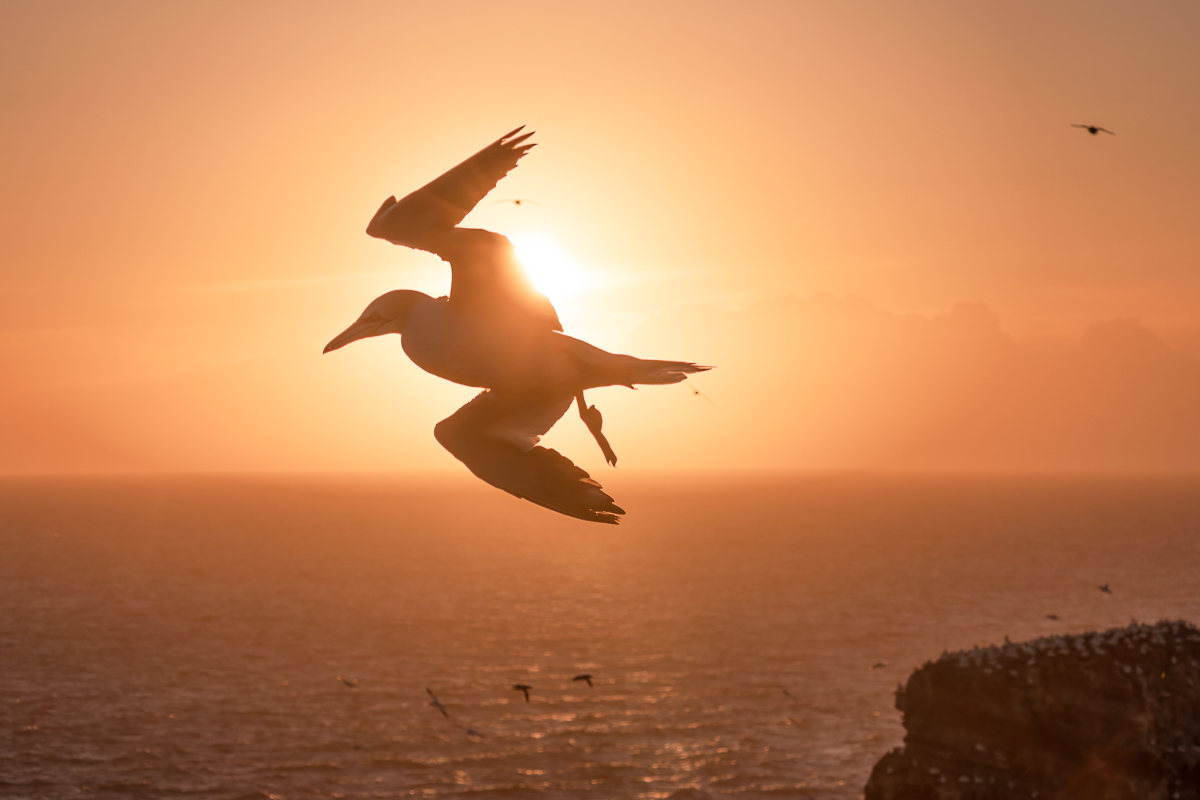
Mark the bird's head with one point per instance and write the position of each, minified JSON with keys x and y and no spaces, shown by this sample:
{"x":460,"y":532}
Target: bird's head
{"x":386,"y":314}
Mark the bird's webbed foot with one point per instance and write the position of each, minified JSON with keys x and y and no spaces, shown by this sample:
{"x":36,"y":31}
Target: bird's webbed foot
{"x":595,"y":421}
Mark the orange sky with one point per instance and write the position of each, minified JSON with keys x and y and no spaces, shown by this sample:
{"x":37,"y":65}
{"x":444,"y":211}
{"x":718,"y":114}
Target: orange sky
{"x":798,"y":192}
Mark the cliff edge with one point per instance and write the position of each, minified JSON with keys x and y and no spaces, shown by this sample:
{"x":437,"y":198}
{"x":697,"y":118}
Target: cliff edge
{"x":1094,"y":716}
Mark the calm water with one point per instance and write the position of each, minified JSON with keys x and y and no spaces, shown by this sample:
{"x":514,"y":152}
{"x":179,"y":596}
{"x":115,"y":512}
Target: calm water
{"x":185,"y":636}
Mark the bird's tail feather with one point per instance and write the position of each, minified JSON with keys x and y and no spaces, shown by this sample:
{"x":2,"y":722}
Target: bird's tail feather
{"x":664,"y":372}
{"x":601,"y":368}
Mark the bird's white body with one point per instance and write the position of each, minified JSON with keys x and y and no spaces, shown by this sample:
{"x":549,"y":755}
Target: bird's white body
{"x":506,"y":354}
{"x":487,"y":353}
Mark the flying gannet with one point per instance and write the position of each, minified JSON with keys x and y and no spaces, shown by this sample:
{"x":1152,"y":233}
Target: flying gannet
{"x":1092,"y":129}
{"x":437,"y":703}
{"x":497,"y":333}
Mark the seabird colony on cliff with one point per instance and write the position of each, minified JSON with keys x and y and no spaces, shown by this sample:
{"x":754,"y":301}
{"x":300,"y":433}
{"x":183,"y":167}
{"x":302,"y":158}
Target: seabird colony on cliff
{"x":1122,"y":642}
{"x":497,"y":333}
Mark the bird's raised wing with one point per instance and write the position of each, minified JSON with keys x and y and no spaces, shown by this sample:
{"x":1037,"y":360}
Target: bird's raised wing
{"x":486,"y":276}
{"x":495,"y":436}
{"x":444,"y":202}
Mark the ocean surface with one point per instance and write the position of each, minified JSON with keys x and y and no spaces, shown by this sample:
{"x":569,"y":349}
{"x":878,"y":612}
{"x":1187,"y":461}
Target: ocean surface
{"x":272,"y":637}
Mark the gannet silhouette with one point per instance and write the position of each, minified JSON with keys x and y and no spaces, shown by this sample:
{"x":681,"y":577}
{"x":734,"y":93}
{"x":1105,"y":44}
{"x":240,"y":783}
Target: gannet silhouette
{"x":1104,"y":588}
{"x":523,"y":687}
{"x":584,"y":677}
{"x":497,"y":333}
{"x":516,"y":201}
{"x":1092,"y":129}
{"x":438,"y":703}
{"x":435,"y":702}
{"x":1052,"y":616}
{"x":352,"y":684}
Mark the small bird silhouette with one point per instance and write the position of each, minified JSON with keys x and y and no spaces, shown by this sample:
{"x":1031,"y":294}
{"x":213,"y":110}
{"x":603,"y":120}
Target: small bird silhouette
{"x":517,"y":201}
{"x":1092,"y":129}
{"x":584,"y":677}
{"x":435,"y":702}
{"x":786,"y":693}
{"x":352,"y":684}
{"x":523,"y":687}
{"x":1052,"y":616}
{"x":1104,"y":588}
{"x":697,"y":393}
{"x":878,"y":665}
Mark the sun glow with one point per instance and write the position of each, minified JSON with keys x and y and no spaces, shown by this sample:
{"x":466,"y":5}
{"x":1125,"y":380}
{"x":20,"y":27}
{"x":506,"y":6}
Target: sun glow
{"x":556,"y":274}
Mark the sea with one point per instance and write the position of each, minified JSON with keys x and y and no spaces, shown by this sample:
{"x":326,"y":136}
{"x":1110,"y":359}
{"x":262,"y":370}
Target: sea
{"x":249,"y":636}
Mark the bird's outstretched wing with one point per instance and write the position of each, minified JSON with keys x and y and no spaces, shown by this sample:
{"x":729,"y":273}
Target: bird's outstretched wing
{"x":495,"y":436}
{"x":442,"y":203}
{"x":1092,"y":129}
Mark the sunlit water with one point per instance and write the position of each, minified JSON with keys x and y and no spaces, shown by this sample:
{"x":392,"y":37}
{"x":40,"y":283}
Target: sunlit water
{"x":184,"y":636}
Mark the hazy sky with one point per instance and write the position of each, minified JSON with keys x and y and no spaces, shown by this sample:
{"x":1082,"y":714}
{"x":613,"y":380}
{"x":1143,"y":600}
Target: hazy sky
{"x":184,"y":188}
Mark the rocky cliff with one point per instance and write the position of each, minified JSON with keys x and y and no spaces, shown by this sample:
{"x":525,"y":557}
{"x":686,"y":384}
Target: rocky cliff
{"x":1096,"y":716}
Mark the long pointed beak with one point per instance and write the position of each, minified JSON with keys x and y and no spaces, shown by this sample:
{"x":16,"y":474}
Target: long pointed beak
{"x":359,"y":330}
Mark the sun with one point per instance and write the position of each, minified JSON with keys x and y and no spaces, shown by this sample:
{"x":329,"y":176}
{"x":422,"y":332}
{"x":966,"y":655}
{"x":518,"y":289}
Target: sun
{"x":554,"y":273}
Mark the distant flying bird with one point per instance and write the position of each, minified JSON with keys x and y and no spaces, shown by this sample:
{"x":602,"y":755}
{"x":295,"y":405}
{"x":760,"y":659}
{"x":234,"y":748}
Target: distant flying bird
{"x":435,"y":702}
{"x":1092,"y":129}
{"x":1105,"y":589}
{"x":523,"y":687}
{"x":1052,"y":616}
{"x":584,"y":677}
{"x":697,"y":393}
{"x":352,"y":684}
{"x":878,"y":665}
{"x":497,"y":333}
{"x":786,"y":693}
{"x":517,"y":201}
{"x":438,"y":703}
